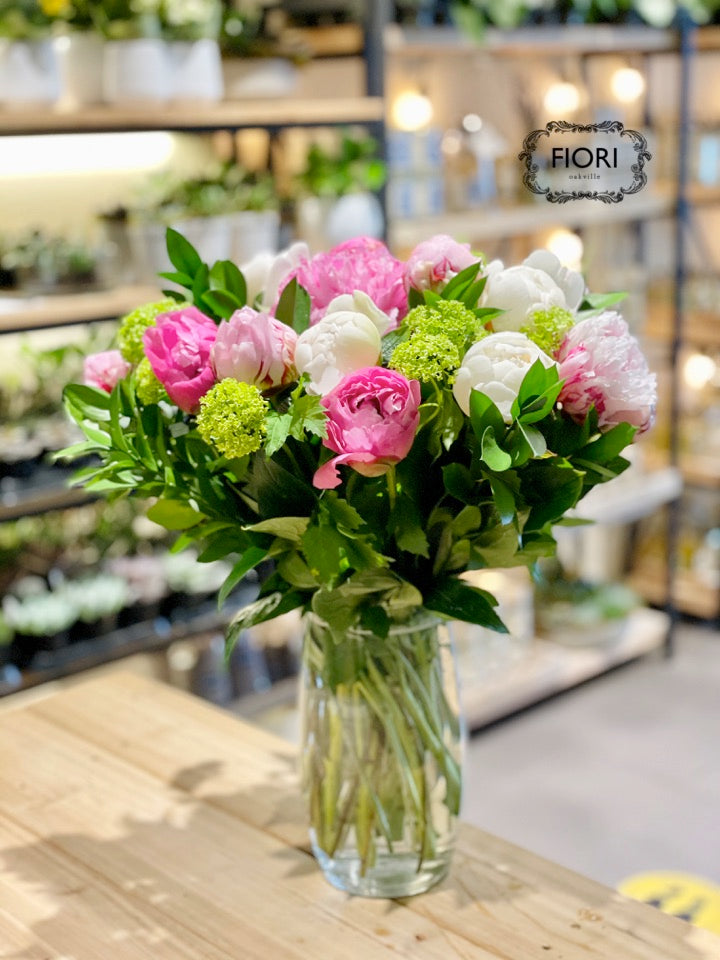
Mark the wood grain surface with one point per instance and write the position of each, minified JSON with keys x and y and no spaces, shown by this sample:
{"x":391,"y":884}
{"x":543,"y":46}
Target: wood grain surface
{"x":138,"y":823}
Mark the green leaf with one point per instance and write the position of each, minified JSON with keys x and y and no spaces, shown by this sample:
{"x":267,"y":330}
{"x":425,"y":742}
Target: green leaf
{"x":249,"y":559}
{"x":375,"y":619}
{"x":394,"y":338}
{"x":466,"y":521}
{"x":458,"y":482}
{"x":324,"y":550}
{"x":183,"y":255}
{"x":278,"y":430}
{"x":200,"y":283}
{"x":552,"y":487}
{"x":609,"y":444}
{"x":601,"y":301}
{"x":293,"y":568}
{"x":226,"y":276}
{"x":504,"y":500}
{"x":289,"y":528}
{"x":222,"y":303}
{"x":472,"y":294}
{"x":407,"y":525}
{"x":175,"y":295}
{"x":183,"y":279}
{"x":460,"y":283}
{"x":459,"y":600}
{"x":307,"y":415}
{"x":492,"y":454}
{"x":293,"y":307}
{"x":415,"y":298}
{"x":484,"y":414}
{"x":174,"y":514}
{"x":263,"y":609}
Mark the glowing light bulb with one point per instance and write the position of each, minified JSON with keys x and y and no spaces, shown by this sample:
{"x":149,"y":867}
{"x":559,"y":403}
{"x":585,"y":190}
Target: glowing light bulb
{"x":699,"y":370}
{"x":627,"y":84}
{"x":567,"y":247}
{"x":561,"y":98}
{"x":411,"y":111}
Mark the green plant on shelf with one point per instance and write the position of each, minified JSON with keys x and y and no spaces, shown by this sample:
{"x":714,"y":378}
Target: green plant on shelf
{"x":28,"y":19}
{"x":227,"y":189}
{"x":352,"y":167}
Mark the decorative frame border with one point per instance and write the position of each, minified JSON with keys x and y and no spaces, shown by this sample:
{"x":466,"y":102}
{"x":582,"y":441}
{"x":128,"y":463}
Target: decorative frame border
{"x":532,"y":169}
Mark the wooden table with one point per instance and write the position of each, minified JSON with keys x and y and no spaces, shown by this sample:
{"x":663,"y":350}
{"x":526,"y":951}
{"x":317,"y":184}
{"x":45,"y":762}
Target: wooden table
{"x":137,"y":823}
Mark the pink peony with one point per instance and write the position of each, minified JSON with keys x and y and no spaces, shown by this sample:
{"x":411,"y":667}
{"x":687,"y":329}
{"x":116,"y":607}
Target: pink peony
{"x":178,"y":348}
{"x":360,"y":264}
{"x":103,"y":370}
{"x":602,"y":364}
{"x":372,"y":419}
{"x":255,"y":348}
{"x":434,"y":262}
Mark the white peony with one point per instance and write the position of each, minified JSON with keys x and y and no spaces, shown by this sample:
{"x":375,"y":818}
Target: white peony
{"x":496,"y":366}
{"x":359,"y":302}
{"x":339,"y":344}
{"x":265,"y":273}
{"x":519,"y":291}
{"x":570,"y":281}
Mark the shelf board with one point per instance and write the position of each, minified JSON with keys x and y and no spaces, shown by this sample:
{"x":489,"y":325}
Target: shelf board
{"x":139,"y":638}
{"x":497,"y":221}
{"x":690,"y":595}
{"x":194,"y":118}
{"x":19,"y":314}
{"x":549,"y":669}
{"x":560,"y":40}
{"x":40,"y":493}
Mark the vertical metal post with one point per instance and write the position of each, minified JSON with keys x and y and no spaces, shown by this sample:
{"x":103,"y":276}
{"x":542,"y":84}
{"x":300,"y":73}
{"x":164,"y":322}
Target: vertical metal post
{"x":682,"y":222}
{"x":377,"y":15}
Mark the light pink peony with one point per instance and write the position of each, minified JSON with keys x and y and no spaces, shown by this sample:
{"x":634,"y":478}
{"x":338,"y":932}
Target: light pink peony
{"x":434,"y":262}
{"x":255,"y":348}
{"x":178,"y":348}
{"x":602,"y":364}
{"x":372,"y":419}
{"x":360,"y":264}
{"x":103,"y":370}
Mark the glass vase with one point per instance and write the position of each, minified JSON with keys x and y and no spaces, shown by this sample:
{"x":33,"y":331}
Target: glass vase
{"x":381,"y":758}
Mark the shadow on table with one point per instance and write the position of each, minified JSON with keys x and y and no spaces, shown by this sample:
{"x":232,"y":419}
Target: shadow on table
{"x":158,"y":881}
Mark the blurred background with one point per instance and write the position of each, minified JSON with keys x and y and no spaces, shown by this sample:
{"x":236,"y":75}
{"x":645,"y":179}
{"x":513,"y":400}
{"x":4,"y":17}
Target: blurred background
{"x":248,"y":124}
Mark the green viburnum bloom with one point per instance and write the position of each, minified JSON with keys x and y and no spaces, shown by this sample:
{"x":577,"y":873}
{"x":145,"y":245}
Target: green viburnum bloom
{"x":134,"y":325}
{"x":426,"y":357}
{"x":147,"y":386}
{"x":548,"y":327}
{"x":448,"y":318}
{"x":232,"y":418}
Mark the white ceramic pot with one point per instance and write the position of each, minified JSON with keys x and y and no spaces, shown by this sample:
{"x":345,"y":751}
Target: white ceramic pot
{"x":81,"y":55}
{"x":211,"y":237}
{"x":136,"y":71}
{"x":253,"y":231}
{"x":196,"y":70}
{"x":29,"y":72}
{"x":354,"y":215}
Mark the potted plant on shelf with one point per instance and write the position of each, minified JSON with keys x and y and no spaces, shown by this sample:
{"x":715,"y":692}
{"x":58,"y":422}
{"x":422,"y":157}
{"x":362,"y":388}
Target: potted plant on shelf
{"x":337,"y":192}
{"x":29,"y":71}
{"x":380,"y":431}
{"x":192,"y":31}
{"x":80,"y":49}
{"x":136,"y":66}
{"x":227,"y":213}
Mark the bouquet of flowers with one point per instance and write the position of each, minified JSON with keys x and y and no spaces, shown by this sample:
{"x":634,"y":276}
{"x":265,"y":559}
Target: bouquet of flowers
{"x":376,"y":429}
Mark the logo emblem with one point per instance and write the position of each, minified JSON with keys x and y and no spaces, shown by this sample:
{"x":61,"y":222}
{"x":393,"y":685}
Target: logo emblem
{"x":584,"y":161}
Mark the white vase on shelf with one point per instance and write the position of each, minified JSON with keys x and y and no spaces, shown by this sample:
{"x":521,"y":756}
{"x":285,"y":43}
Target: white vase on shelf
{"x":29,"y":73}
{"x":195,"y":70}
{"x":81,"y":55}
{"x":253,"y":231}
{"x":136,"y":71}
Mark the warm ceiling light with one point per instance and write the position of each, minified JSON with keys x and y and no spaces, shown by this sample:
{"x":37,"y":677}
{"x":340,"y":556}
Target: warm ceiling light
{"x":411,"y":111}
{"x":561,"y":99}
{"x":699,"y":370}
{"x":567,"y":247}
{"x":627,"y":85}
